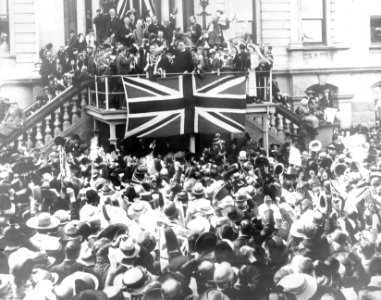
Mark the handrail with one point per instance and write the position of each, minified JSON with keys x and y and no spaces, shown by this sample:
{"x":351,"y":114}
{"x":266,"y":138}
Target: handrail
{"x":102,"y":87}
{"x":290,"y":115}
{"x":44,"y":111}
{"x":176,"y":74}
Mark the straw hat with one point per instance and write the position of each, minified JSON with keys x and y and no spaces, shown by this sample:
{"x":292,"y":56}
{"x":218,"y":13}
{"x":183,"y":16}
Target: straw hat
{"x":303,"y":286}
{"x":198,"y":225}
{"x":43,"y":221}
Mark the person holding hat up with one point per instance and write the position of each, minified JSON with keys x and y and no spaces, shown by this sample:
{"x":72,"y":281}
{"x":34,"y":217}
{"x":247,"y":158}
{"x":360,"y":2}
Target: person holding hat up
{"x":195,"y":30}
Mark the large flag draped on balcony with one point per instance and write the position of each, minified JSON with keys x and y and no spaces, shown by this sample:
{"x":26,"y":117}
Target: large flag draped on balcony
{"x":185,"y":104}
{"x":141,"y":7}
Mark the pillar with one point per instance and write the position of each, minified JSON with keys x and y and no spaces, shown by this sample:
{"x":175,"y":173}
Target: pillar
{"x":165,"y":9}
{"x":81,"y":17}
{"x":179,"y":15}
{"x":94,"y":6}
{"x":113,"y":139}
{"x":265,"y":128}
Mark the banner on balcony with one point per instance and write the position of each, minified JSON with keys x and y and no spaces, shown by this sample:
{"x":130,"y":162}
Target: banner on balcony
{"x":185,"y":104}
{"x":142,"y":8}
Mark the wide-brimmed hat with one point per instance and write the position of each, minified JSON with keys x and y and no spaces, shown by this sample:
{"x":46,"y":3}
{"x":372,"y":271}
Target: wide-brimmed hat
{"x":315,"y":146}
{"x":213,"y":294}
{"x":198,"y":225}
{"x":12,"y":237}
{"x":198,"y":189}
{"x":114,"y":292}
{"x":137,"y":209}
{"x":133,"y":280}
{"x":170,"y":210}
{"x":182,"y":196}
{"x":204,"y":208}
{"x":235,"y":214}
{"x":106,"y":190}
{"x":86,"y":258}
{"x":68,"y":287}
{"x":205,"y":242}
{"x":63,"y":216}
{"x":43,"y":221}
{"x":128,"y":247}
{"x":303,"y":286}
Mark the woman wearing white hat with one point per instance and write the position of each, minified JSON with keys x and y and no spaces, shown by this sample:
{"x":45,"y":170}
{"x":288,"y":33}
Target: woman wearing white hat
{"x":252,"y":64}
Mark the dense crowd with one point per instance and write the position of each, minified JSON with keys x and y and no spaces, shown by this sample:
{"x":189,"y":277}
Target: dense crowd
{"x":145,"y":221}
{"x":144,"y":46}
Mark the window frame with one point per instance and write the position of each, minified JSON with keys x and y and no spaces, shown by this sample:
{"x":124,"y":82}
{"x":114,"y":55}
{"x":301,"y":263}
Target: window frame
{"x":372,"y":17}
{"x":9,"y":29}
{"x":323,"y":25}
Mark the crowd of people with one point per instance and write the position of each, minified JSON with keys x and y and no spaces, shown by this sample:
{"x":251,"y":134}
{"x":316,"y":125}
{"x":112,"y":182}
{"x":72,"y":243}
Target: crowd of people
{"x":142,"y":45}
{"x":145,"y":221}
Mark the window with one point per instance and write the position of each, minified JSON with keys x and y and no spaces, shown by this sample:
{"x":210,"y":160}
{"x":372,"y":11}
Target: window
{"x":313,"y":21}
{"x":4,"y":27}
{"x":375,"y":30}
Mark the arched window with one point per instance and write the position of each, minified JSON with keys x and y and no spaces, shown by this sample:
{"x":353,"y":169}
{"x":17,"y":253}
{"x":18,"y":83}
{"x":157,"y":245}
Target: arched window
{"x":322,"y":90}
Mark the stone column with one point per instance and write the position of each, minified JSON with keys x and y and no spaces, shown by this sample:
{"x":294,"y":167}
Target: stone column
{"x":113,"y":139}
{"x":94,"y":6}
{"x":81,"y":17}
{"x":165,"y":9}
{"x":179,"y":16}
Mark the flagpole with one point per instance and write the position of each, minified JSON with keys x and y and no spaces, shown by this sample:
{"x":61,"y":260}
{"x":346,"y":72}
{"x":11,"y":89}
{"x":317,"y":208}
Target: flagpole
{"x":266,"y":131}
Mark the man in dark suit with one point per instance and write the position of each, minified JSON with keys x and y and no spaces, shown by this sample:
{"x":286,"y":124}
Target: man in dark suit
{"x":100,"y":22}
{"x":169,"y":28}
{"x":183,"y":59}
{"x":47,"y":67}
{"x":113,"y":25}
{"x":72,"y":42}
{"x":70,"y":264}
{"x":124,"y":34}
{"x":195,"y":30}
{"x":240,"y":59}
{"x":155,"y":26}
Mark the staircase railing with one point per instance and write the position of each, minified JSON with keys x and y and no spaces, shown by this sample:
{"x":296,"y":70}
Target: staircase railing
{"x":285,"y":121}
{"x":52,"y":119}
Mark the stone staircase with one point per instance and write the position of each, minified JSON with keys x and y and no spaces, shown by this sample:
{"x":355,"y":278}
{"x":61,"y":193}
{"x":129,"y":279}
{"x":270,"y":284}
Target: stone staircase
{"x":62,"y":116}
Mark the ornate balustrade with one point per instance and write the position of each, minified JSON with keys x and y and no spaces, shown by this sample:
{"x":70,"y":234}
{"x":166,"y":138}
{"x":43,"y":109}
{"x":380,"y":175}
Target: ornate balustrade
{"x":51,"y":120}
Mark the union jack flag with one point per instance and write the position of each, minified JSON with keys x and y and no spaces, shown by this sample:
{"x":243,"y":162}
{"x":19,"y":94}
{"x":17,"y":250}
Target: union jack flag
{"x":185,"y":104}
{"x":141,"y":7}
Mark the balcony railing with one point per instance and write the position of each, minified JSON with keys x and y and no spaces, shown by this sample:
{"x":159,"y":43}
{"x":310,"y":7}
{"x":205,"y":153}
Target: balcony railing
{"x":104,"y":88}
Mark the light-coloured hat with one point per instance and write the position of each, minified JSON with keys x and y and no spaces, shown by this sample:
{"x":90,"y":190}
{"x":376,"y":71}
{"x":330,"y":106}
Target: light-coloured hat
{"x":198,"y":225}
{"x":242,"y":155}
{"x":198,"y":189}
{"x":43,"y":221}
{"x":315,"y":146}
{"x":304,"y":101}
{"x":303,"y":286}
